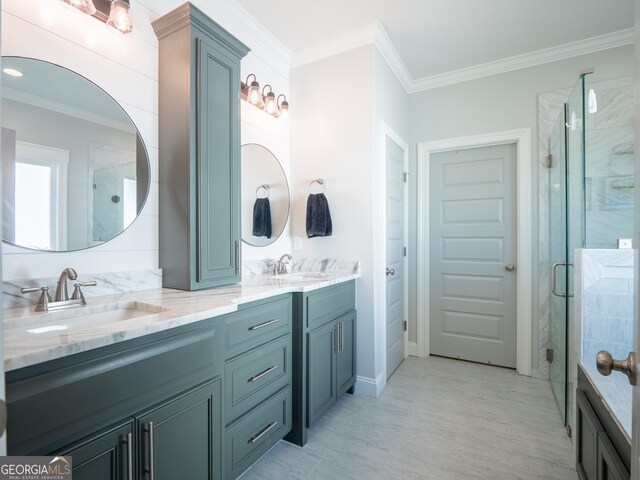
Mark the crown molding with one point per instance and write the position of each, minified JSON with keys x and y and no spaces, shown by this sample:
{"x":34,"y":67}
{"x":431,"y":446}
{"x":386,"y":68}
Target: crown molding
{"x":354,"y":39}
{"x":388,"y":51}
{"x":240,"y":23}
{"x":373,"y":33}
{"x":376,"y":34}
{"x":527,"y":60}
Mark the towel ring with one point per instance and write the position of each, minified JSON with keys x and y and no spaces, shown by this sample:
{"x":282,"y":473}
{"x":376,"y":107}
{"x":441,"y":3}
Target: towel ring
{"x":264,"y":187}
{"x":319,"y":181}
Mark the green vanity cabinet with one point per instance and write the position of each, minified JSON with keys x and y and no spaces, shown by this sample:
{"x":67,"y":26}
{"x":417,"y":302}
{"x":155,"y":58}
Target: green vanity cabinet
{"x":603,"y":451}
{"x":199,"y":157}
{"x":258,"y":381}
{"x":121,"y":409}
{"x":324,"y":353}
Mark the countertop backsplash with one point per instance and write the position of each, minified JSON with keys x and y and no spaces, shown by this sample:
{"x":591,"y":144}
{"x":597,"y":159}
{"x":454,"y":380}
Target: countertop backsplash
{"x":132,"y":281}
{"x":329,"y":265}
{"x":108,"y":283}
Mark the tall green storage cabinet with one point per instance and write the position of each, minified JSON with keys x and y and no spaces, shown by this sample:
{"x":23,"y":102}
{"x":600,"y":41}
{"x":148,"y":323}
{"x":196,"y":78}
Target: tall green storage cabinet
{"x":199,"y":139}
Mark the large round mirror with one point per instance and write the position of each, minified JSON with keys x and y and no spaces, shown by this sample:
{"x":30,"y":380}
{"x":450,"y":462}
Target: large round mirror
{"x":265,"y":196}
{"x":75,"y":172}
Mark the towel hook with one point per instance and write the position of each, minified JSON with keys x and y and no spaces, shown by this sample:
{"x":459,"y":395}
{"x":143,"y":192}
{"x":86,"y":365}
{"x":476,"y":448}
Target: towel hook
{"x":264,"y":187}
{"x":319,"y":181}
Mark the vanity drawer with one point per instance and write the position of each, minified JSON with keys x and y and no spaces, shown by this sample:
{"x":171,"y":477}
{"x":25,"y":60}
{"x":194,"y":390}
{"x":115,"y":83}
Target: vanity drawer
{"x":256,"y":324}
{"x":330,"y":303}
{"x":249,"y":438}
{"x":251,"y":378}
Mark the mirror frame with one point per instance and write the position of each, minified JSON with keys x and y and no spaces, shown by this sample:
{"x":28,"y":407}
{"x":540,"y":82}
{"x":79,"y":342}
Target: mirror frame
{"x":274,"y":238}
{"x":141,"y":146}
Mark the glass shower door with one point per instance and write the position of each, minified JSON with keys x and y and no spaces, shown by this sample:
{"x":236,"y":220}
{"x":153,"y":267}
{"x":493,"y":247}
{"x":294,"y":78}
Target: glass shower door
{"x":558,"y":261}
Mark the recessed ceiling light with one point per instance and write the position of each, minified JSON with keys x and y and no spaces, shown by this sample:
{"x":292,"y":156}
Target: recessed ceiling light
{"x":12,"y":71}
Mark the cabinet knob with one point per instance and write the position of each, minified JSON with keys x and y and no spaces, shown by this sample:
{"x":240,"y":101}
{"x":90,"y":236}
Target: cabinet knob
{"x":390,"y":271}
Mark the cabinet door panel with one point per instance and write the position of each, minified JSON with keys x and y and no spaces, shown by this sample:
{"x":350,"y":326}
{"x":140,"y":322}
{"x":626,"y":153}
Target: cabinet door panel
{"x":105,"y":456}
{"x":321,"y":368}
{"x":346,"y":363}
{"x":182,"y":438}
{"x":218,"y":170}
{"x":610,"y":466}
{"x":587,"y":429}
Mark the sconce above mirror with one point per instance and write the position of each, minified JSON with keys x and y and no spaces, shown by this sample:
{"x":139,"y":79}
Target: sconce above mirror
{"x":265,"y":196}
{"x":75,"y":171}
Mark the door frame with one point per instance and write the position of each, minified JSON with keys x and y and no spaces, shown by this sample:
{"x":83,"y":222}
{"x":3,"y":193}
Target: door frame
{"x":524,"y":216}
{"x":380,"y":246}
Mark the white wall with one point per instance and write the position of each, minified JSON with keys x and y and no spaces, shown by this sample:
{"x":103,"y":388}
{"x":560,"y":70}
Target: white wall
{"x":340,"y":102}
{"x":491,"y":104}
{"x":332,"y":138}
{"x":126,"y":66}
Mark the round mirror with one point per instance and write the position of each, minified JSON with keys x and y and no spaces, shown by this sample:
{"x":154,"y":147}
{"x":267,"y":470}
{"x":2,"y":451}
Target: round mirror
{"x":265,"y":196}
{"x":75,"y":171}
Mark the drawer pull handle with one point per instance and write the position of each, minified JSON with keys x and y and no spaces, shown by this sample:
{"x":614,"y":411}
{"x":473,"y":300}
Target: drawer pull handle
{"x":151,"y":470}
{"x":130,"y":456}
{"x":265,"y":324}
{"x":257,"y":377}
{"x":262,"y":432}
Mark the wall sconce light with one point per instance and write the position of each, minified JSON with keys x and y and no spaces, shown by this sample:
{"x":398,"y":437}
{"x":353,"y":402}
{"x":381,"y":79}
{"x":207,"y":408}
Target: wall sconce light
{"x":283,"y":107}
{"x":115,"y":13}
{"x":266,"y":100}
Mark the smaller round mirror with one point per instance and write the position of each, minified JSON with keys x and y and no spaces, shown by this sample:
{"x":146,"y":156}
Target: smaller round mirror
{"x":265,"y":196}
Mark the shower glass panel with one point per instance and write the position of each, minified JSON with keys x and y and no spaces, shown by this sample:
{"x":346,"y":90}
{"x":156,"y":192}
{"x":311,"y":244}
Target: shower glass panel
{"x":566,"y":233}
{"x":575,"y":225}
{"x":558,"y":257}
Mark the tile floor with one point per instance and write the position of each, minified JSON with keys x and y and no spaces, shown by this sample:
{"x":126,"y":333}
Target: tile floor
{"x":436,"y":419}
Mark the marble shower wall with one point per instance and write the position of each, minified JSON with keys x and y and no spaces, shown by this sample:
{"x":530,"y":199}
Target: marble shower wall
{"x":609,"y":177}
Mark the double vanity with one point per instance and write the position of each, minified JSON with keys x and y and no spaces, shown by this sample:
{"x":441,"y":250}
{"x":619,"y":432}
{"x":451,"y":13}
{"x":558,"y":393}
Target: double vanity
{"x":200,"y":378}
{"x":172,"y":384}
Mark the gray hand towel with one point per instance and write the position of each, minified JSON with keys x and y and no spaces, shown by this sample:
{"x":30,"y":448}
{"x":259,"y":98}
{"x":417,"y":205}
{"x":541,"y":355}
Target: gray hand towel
{"x":318,"y":216}
{"x":262,"y":218}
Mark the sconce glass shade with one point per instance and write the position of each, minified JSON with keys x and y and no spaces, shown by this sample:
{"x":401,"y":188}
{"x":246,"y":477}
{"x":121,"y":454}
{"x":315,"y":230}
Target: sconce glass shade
{"x":270,"y":105}
{"x":253,"y":94}
{"x":120,"y":16}
{"x":283,"y":107}
{"x":84,"y":6}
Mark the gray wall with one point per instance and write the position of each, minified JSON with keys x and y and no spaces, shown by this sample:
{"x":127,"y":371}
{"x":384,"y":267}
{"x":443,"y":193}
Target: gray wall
{"x":499,"y":102}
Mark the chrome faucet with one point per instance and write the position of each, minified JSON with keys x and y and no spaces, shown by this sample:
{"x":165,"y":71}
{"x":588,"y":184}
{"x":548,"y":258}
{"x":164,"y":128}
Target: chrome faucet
{"x":62,"y":294}
{"x":281,"y":265}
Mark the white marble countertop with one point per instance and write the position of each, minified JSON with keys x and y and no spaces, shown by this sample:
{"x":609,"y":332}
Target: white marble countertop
{"x":31,"y":338}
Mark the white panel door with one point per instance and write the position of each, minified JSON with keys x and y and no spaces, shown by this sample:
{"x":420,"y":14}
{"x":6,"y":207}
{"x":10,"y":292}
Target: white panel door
{"x":395,"y":255}
{"x":472,"y":313}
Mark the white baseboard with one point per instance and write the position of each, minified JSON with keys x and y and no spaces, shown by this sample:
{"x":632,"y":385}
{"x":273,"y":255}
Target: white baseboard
{"x":370,"y":387}
{"x":414,"y":351}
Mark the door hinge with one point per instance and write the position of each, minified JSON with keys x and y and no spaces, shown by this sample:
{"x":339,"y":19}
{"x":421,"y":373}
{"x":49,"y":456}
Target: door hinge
{"x":405,"y":175}
{"x":405,"y":325}
{"x":404,"y":251}
{"x":549,"y":355}
{"x":549,"y":161}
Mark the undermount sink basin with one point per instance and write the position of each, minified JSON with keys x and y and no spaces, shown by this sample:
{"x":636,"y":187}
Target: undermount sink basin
{"x":88,"y":315}
{"x":301,"y":276}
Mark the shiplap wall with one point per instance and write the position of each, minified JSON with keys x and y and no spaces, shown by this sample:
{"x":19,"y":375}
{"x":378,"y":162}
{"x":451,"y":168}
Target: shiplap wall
{"x":126,"y":66}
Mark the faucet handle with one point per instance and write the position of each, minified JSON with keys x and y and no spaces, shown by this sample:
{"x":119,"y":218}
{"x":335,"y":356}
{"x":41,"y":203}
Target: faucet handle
{"x":77,"y":293}
{"x":43,"y":301}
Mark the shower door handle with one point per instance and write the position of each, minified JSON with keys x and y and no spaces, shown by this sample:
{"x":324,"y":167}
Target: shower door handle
{"x":553,"y":279}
